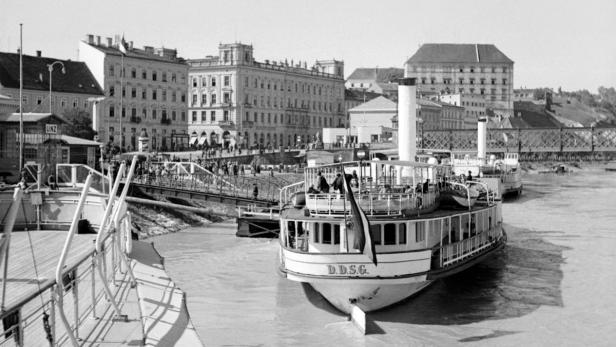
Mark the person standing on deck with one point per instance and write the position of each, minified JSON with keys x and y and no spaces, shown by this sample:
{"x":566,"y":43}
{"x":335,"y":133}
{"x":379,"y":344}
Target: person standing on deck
{"x":322,"y":184}
{"x":255,"y":191}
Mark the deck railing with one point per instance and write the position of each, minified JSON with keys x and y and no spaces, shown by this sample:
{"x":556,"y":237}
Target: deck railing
{"x":68,"y":308}
{"x":371,"y":203}
{"x":74,"y":175}
{"x":455,"y":252}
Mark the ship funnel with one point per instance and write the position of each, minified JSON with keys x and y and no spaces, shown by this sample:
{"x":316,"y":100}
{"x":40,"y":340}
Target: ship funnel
{"x":482,"y":125}
{"x":407,"y":118}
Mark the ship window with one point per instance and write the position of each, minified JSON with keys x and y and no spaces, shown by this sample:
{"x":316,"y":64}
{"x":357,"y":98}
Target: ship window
{"x":327,"y":233}
{"x":316,"y":232}
{"x":420,"y":232}
{"x":389,"y":234}
{"x":291,"y":233}
{"x":402,"y":234}
{"x":336,"y":234}
{"x":375,"y":233}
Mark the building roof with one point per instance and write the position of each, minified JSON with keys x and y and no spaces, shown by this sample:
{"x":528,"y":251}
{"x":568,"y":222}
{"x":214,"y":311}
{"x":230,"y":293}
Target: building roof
{"x":77,"y":77}
{"x":379,"y":75}
{"x":77,"y":141}
{"x":458,"y":53}
{"x":147,"y":53}
{"x":359,"y":95}
{"x":29,"y":117}
{"x":380,"y":103}
{"x":388,"y":87}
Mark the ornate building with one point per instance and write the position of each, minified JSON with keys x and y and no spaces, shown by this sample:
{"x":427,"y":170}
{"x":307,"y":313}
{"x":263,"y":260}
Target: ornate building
{"x":235,"y":100}
{"x":475,"y":69}
{"x":145,"y":89}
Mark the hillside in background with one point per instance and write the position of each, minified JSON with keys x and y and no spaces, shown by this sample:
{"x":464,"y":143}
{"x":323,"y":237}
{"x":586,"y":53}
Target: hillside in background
{"x":572,"y":109}
{"x":530,"y":115}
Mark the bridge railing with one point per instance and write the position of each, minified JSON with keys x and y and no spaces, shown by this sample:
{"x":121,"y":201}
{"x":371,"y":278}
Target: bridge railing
{"x":584,"y":139}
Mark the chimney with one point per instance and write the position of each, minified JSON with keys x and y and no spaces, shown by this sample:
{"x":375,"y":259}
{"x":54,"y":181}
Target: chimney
{"x":481,"y":139}
{"x":109,"y":42}
{"x":39,"y":53}
{"x":90,"y":39}
{"x":98,"y":40}
{"x":130,"y":45}
{"x":407,"y":118}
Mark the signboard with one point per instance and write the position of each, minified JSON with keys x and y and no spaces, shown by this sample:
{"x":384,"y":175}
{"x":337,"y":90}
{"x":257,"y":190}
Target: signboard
{"x":51,"y":128}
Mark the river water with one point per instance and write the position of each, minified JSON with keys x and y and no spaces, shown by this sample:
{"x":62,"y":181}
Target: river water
{"x":553,"y":284}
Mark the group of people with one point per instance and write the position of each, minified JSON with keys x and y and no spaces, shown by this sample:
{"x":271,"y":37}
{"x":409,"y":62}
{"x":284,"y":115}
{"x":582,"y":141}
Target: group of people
{"x":322,"y":187}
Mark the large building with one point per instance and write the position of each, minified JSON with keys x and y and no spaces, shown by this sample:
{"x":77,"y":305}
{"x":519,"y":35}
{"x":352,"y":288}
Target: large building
{"x":476,"y":69}
{"x":236,"y":100}
{"x":145,"y":90}
{"x":72,"y":83}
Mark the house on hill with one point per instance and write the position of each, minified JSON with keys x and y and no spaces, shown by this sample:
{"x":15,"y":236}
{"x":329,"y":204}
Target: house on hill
{"x":377,"y":80}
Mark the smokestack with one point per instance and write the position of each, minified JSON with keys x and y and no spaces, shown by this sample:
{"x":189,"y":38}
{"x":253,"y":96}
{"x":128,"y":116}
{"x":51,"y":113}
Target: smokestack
{"x":407,"y":118}
{"x":90,"y":38}
{"x":39,"y":53}
{"x":481,"y":139}
{"x":98,"y":40}
{"x":109,"y":42}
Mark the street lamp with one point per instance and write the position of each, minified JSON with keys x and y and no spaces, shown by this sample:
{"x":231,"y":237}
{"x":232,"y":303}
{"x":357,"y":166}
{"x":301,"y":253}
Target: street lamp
{"x":50,"y":68}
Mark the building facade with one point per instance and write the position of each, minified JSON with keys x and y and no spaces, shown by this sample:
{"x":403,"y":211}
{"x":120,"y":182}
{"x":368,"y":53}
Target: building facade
{"x":474,"y":69}
{"x":145,"y":90}
{"x":236,"y":101}
{"x":72,"y":84}
{"x":372,"y":121}
{"x":474,"y":107}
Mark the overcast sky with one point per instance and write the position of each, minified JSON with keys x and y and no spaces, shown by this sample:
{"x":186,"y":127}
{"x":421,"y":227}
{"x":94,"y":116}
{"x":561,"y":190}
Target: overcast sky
{"x":553,"y":43}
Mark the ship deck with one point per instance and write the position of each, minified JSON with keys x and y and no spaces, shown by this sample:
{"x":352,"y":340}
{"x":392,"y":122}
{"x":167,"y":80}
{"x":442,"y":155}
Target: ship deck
{"x":46,"y":249}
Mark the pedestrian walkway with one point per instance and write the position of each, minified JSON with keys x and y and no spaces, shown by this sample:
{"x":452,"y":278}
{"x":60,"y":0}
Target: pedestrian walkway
{"x":164,"y":314}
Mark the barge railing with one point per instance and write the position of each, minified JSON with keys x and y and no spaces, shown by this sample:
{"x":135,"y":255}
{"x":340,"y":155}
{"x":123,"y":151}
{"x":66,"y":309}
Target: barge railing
{"x":33,"y":320}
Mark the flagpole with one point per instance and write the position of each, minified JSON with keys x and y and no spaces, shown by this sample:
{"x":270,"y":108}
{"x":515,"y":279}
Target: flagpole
{"x":121,"y":101}
{"x":21,"y":109}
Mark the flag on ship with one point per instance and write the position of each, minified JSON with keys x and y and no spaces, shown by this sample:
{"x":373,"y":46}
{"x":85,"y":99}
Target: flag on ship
{"x":360,"y":225}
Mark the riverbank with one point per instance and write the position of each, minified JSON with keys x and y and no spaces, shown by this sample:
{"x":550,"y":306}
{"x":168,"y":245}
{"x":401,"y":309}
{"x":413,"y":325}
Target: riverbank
{"x":149,"y":220}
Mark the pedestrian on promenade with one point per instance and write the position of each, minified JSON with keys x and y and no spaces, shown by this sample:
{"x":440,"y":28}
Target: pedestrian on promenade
{"x":255,"y":191}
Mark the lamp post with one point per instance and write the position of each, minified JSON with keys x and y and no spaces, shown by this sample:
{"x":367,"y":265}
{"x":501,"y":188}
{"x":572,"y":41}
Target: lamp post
{"x":50,"y":68}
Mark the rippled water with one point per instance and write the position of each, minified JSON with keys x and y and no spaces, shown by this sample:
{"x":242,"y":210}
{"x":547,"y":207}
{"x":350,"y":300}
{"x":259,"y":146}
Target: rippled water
{"x":554,"y":284}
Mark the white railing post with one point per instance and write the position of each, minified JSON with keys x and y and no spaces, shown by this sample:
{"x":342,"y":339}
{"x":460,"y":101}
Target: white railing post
{"x":93,"y":292}
{"x":74,"y":176}
{"x":65,"y":249}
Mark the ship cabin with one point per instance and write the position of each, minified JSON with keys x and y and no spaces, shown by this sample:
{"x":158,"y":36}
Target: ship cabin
{"x":401,"y":201}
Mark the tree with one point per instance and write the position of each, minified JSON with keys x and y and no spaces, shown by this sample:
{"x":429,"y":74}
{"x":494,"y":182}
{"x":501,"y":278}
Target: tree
{"x":80,"y":124}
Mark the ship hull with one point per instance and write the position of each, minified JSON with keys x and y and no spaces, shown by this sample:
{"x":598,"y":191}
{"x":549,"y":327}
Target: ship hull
{"x":368,"y":296}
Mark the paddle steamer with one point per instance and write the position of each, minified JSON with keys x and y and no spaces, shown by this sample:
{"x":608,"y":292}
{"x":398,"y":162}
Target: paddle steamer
{"x":382,"y":235}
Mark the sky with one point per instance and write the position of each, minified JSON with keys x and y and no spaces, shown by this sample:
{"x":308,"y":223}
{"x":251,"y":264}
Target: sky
{"x":568,"y":44}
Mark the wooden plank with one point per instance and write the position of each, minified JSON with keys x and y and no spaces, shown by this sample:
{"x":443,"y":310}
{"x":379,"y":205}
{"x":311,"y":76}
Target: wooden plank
{"x":46,"y":247}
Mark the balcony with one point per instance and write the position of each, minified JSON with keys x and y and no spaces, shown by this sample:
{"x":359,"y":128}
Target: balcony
{"x":166,"y":121}
{"x":135,"y":119}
